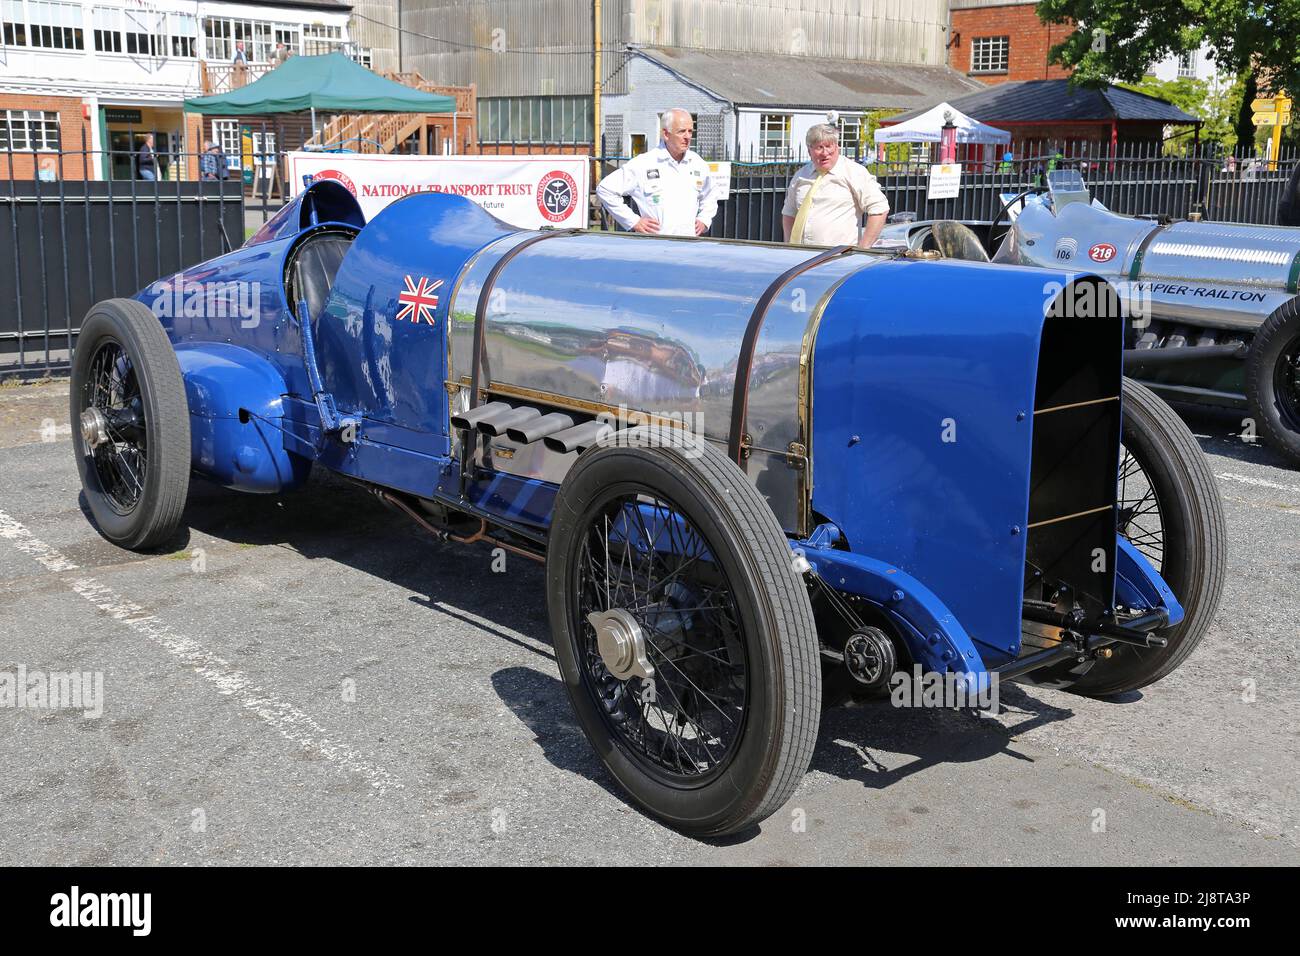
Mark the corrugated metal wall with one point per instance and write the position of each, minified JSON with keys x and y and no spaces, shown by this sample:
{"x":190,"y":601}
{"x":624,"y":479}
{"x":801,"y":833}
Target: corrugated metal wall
{"x":470,"y":41}
{"x":482,"y":34}
{"x":891,"y":31}
{"x":366,"y":33}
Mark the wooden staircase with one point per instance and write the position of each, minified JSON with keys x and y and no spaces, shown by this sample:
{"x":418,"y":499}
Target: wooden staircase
{"x":385,"y":132}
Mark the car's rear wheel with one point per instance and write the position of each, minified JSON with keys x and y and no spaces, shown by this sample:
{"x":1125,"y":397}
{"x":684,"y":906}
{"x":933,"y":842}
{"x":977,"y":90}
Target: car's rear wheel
{"x":1170,"y":510}
{"x":684,"y":634}
{"x":130,"y":424}
{"x":1273,"y":380}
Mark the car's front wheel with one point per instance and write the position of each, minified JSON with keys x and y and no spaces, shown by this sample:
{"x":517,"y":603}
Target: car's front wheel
{"x":1169,"y":509}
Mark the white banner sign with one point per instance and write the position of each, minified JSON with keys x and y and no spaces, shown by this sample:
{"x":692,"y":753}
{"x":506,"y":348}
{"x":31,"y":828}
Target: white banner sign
{"x":945,"y":181}
{"x":525,"y":191}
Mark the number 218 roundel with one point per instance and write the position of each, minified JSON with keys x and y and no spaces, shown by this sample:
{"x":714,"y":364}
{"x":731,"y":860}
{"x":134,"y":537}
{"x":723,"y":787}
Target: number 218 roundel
{"x":1102,"y":252}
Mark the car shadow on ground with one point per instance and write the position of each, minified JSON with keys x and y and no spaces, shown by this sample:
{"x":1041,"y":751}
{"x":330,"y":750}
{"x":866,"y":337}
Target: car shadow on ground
{"x":879,"y":745}
{"x":340,"y":521}
{"x":1224,"y":432}
{"x":874,"y":743}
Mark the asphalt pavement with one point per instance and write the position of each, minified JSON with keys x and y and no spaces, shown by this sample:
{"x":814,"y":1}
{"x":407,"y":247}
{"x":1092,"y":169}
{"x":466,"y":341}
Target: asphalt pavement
{"x":309,"y":679}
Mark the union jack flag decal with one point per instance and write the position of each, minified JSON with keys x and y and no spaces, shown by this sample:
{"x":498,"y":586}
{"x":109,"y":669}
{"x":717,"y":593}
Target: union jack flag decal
{"x":418,"y":300}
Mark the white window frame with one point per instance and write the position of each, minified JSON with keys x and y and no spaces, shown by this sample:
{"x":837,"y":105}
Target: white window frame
{"x":851,"y":123}
{"x":769,"y":123}
{"x":1187,"y":65}
{"x":14,"y":17}
{"x":106,"y":26}
{"x":226,"y":133}
{"x":182,"y":27}
{"x":64,"y":21}
{"x":29,"y":122}
{"x":990,"y":54}
{"x":318,"y":38}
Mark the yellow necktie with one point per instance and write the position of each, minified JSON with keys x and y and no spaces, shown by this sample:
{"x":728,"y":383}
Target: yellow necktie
{"x":805,"y":207}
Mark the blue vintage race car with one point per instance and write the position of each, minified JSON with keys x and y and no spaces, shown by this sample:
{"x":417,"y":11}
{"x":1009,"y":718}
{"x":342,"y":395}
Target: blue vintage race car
{"x":751,"y":469}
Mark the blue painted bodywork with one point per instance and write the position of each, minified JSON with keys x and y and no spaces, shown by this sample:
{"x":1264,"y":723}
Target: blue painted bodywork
{"x":931,"y":531}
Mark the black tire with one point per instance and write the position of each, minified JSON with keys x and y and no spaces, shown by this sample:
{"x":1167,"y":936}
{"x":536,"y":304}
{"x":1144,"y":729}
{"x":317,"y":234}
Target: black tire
{"x":1273,"y":380}
{"x":137,"y":481}
{"x":761,"y":620}
{"x":1190,"y":549}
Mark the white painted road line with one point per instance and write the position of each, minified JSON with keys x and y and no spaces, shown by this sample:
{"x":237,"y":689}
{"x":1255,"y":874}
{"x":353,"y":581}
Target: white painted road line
{"x":1258,"y":482}
{"x":286,"y":719}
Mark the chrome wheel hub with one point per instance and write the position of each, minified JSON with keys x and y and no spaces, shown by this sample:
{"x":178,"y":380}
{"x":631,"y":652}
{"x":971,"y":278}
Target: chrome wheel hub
{"x":94,"y":428}
{"x":621,"y":643}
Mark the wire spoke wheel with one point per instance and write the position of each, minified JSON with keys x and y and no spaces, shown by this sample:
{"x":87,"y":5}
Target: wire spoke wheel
{"x":1138,"y":509}
{"x":683,"y":633}
{"x":130,"y":424}
{"x":121,"y":459}
{"x":1169,"y":509}
{"x":642,"y":556}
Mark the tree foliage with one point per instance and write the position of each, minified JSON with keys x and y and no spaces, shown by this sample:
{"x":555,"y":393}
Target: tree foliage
{"x":1258,"y":36}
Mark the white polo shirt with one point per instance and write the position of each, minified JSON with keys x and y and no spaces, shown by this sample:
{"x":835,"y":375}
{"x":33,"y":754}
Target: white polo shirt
{"x":838,"y":205}
{"x":676,"y":193}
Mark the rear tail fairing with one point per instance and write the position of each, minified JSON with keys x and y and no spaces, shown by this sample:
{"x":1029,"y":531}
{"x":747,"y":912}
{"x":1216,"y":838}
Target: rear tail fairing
{"x":966,"y":437}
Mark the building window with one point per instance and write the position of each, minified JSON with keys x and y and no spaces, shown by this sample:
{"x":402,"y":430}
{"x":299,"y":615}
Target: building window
{"x":15,"y":24}
{"x":774,"y":136}
{"x":1187,"y":65}
{"x":144,"y":33}
{"x":317,"y":38}
{"x":55,"y":26}
{"x":290,"y":34}
{"x":850,"y":133}
{"x":31,"y":130}
{"x":107,"y":23}
{"x":184,"y":33}
{"x":534,"y":119}
{"x":226,"y":134}
{"x":989,"y":54}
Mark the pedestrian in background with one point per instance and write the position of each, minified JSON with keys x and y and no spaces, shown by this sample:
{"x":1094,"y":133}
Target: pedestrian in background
{"x":207,"y":162}
{"x":828,"y":197}
{"x":671,"y":185}
{"x":146,"y":163}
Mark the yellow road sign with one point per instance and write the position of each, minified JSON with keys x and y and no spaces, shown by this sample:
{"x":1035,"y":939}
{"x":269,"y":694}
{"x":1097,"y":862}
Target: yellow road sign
{"x":1271,"y":104}
{"x":1271,"y":119}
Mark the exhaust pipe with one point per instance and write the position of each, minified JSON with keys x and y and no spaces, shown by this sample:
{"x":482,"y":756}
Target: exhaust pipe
{"x":578,"y":437}
{"x":470,"y":418}
{"x":497,"y":424}
{"x":538,"y":428}
{"x":1143,"y":358}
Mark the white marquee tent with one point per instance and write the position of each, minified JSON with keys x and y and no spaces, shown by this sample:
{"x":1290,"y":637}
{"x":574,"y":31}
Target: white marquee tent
{"x":926,"y":128}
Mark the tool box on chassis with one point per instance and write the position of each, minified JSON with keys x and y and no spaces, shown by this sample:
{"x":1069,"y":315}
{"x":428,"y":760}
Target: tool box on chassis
{"x":748,"y":467}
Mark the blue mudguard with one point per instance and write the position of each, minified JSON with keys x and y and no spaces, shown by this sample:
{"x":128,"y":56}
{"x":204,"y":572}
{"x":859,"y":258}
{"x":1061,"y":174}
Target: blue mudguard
{"x":1139,"y":587}
{"x":236,"y":419}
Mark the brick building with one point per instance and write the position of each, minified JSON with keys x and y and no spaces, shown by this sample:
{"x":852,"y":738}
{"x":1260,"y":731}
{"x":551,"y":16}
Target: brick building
{"x":83,"y":81}
{"x":1000,"y":41}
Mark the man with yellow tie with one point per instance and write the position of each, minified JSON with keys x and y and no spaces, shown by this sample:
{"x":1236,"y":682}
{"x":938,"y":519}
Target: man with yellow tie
{"x":827,"y":198}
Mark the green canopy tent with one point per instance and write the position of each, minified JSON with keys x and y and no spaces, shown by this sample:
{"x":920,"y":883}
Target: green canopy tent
{"x":331,"y":83}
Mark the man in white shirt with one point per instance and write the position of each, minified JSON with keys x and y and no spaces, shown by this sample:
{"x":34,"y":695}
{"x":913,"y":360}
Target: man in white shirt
{"x":827,"y":198}
{"x":670,"y":185}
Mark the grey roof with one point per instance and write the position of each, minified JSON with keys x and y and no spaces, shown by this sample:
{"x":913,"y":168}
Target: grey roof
{"x":801,"y":82}
{"x":1039,"y":100}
